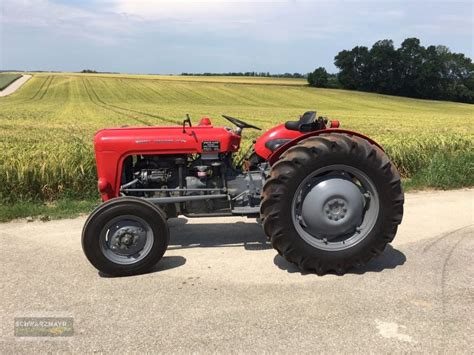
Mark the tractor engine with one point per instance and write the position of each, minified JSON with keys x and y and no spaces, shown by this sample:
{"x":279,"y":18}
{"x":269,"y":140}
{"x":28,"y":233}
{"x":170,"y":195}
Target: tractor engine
{"x":197,"y":185}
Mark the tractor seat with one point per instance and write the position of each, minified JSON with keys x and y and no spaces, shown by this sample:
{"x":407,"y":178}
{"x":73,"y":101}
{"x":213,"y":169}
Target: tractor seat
{"x":306,"y":123}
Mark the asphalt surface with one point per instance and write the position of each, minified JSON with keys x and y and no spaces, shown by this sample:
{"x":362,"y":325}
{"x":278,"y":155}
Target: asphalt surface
{"x":221,"y":288}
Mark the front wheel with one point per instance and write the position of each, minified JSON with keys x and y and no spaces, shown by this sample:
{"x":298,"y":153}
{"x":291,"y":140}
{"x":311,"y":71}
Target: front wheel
{"x":125,"y":236}
{"x":332,"y":202}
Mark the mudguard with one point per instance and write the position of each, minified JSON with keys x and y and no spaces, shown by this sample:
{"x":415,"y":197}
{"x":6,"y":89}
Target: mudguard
{"x":274,"y":156}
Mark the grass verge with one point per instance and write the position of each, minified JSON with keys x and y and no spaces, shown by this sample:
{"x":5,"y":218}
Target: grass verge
{"x":64,"y":208}
{"x":444,"y":172}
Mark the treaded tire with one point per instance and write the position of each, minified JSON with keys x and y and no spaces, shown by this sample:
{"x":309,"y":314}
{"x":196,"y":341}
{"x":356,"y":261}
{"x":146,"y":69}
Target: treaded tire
{"x":124,"y":206}
{"x":300,"y":161}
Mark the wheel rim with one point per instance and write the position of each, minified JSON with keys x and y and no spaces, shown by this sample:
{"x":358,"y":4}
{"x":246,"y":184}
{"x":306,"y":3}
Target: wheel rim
{"x":335,"y":207}
{"x":126,"y":239}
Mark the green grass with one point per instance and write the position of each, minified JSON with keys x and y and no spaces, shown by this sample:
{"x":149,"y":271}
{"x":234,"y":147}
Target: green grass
{"x":63,"y":208}
{"x":46,"y":128}
{"x":7,"y":79}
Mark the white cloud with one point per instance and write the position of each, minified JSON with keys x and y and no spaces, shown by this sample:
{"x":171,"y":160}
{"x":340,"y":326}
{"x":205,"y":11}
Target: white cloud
{"x":195,"y":9}
{"x":115,"y":21}
{"x":66,"y":20}
{"x":265,"y":20}
{"x":191,"y":15}
{"x":112,"y":21}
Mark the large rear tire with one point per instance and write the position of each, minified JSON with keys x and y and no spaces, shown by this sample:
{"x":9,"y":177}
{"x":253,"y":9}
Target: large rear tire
{"x":125,"y":236}
{"x":332,"y":202}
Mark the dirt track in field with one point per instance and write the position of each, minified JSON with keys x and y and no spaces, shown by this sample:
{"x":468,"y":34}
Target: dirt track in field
{"x":10,"y":89}
{"x":221,"y":288}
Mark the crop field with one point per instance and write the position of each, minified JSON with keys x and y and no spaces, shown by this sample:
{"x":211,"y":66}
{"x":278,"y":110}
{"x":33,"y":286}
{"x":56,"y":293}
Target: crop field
{"x":46,"y":128}
{"x":7,"y":79}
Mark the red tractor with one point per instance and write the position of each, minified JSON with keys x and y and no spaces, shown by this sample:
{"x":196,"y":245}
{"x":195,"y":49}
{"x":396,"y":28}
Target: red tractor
{"x":329,"y":199}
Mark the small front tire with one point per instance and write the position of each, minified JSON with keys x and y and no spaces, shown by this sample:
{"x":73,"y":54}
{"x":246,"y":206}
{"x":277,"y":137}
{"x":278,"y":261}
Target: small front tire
{"x":125,"y":236}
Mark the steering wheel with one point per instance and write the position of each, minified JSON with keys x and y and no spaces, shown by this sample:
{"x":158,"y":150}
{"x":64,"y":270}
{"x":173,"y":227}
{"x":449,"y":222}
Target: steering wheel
{"x":239,"y":123}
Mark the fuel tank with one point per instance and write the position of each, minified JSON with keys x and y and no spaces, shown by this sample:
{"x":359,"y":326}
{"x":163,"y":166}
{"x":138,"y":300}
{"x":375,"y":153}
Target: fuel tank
{"x":276,"y":140}
{"x":272,"y":139}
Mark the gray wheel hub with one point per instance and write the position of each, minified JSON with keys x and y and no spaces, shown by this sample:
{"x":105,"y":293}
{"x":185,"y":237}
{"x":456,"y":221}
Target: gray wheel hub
{"x":128,"y":240}
{"x":333,"y":207}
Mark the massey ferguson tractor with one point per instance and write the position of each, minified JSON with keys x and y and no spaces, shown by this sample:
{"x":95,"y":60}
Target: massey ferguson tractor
{"x":329,"y":199}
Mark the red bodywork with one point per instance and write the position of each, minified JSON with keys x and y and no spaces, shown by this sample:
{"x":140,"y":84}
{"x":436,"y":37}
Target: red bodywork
{"x":280,"y":132}
{"x":112,"y":146}
{"x":277,"y":132}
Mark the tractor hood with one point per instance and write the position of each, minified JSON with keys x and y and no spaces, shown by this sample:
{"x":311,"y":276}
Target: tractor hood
{"x":166,"y":140}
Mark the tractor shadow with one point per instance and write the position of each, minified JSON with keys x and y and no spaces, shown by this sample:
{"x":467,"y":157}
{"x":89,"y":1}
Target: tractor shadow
{"x":166,"y":263}
{"x":250,"y":236}
{"x":184,"y":236}
{"x":238,"y":234}
{"x":389,"y":259}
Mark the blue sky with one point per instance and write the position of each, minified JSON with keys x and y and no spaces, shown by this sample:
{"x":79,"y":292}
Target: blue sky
{"x":163,"y":36}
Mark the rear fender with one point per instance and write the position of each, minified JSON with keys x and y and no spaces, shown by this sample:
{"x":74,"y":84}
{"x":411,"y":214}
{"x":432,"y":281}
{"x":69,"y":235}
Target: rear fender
{"x":277,"y":153}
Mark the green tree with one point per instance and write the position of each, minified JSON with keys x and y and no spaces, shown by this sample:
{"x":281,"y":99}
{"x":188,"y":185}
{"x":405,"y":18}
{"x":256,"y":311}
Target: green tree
{"x":382,"y":67}
{"x":318,"y":78}
{"x":411,"y":70}
{"x":411,"y":56}
{"x":354,"y":71}
{"x":433,"y":73}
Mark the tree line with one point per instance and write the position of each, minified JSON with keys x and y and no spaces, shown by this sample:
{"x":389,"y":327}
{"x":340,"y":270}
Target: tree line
{"x":250,"y":73}
{"x":412,"y":70}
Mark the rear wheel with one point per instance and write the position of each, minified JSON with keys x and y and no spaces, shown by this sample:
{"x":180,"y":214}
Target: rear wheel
{"x":125,"y":236}
{"x":332,"y":202}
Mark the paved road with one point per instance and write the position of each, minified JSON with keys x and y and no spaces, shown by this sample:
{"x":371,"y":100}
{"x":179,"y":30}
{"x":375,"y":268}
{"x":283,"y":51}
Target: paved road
{"x":10,"y":89}
{"x":220,"y":288}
